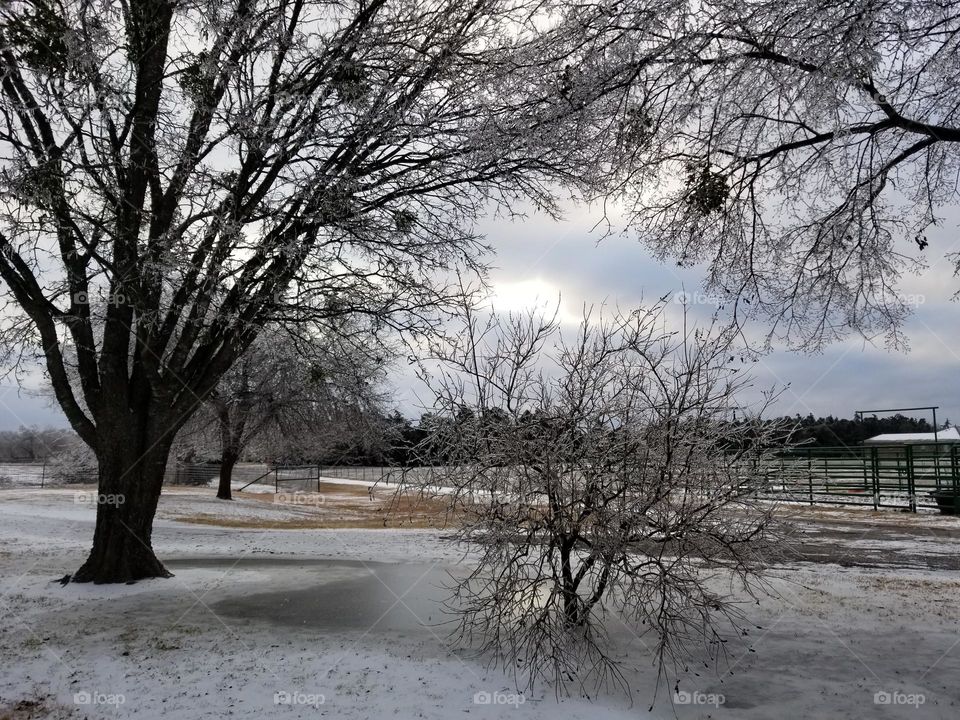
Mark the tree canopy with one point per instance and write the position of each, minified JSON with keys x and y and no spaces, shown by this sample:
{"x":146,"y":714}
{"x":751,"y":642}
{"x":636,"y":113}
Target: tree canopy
{"x":803,"y":153}
{"x":178,"y":173}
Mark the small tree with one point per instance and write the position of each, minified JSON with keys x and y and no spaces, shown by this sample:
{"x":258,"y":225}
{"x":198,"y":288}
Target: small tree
{"x":294,"y":397}
{"x":75,"y":462}
{"x":611,"y":478}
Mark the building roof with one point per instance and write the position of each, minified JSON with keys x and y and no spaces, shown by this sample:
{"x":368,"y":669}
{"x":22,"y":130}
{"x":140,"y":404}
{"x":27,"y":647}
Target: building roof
{"x":947,"y":435}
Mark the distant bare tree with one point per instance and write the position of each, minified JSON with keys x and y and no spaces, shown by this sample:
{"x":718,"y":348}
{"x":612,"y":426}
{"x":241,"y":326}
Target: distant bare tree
{"x":294,"y":397}
{"x":74,"y":463}
{"x":607,"y":478}
{"x":32,"y":443}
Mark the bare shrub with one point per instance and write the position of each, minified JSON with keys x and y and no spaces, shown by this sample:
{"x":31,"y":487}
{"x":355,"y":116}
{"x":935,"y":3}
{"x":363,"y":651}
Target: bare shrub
{"x":75,"y":463}
{"x":609,"y":475}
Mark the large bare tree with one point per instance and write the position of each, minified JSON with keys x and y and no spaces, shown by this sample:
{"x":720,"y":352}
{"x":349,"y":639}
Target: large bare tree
{"x":177,"y":173}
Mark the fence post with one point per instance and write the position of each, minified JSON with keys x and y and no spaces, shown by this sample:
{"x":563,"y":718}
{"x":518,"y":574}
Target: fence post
{"x":875,"y":473}
{"x":956,"y":480}
{"x":318,"y":479}
{"x":810,"y":475}
{"x":911,"y":483}
{"x":43,"y":473}
{"x":276,"y":480}
{"x":863,"y":462}
{"x":936,"y":464}
{"x":949,"y":459}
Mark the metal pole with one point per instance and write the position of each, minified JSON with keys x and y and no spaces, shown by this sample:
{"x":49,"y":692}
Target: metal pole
{"x":911,"y":485}
{"x":863,"y":462}
{"x":956,"y":480}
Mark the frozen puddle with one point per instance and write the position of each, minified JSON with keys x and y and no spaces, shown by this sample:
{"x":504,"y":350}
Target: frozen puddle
{"x":339,"y":595}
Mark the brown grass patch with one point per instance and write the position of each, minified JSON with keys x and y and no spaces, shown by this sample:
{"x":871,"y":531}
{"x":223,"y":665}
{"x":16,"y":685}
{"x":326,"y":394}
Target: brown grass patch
{"x":908,"y":585}
{"x":343,"y":506}
{"x":332,"y":523}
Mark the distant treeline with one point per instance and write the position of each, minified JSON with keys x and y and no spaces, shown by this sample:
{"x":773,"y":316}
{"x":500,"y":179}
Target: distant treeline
{"x":841,"y":431}
{"x":397,"y":437}
{"x":823,"y":431}
{"x":33,"y":444}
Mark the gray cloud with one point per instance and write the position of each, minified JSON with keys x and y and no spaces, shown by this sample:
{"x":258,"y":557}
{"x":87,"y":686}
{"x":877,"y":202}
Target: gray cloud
{"x":537,"y":255}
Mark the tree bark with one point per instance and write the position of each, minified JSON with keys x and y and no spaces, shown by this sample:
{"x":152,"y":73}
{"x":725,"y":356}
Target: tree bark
{"x":227,"y":461}
{"x":571,"y":601}
{"x":128,"y":492}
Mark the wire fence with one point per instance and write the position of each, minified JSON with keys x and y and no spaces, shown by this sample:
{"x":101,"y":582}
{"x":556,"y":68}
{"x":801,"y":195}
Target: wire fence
{"x":52,"y":473}
{"x":310,"y":477}
{"x":905,"y":477}
{"x":43,"y":474}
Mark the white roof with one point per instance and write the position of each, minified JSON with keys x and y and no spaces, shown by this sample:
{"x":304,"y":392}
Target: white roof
{"x":949,"y":435}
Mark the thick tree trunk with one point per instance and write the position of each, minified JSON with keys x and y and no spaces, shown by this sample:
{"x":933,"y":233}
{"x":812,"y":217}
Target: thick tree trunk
{"x":227,"y":461}
{"x":128,"y":493}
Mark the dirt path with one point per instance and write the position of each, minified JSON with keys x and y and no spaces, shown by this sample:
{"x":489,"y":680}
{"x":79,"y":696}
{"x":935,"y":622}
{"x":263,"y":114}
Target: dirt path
{"x":874,"y":539}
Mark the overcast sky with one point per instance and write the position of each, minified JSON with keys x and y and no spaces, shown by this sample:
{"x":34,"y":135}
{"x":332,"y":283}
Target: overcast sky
{"x":538,"y":261}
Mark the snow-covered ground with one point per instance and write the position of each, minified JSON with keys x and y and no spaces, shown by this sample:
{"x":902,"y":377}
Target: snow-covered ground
{"x":346,"y":624}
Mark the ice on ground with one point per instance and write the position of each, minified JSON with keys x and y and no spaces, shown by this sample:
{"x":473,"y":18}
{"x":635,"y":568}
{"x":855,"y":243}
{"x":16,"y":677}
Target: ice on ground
{"x":347,"y":624}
